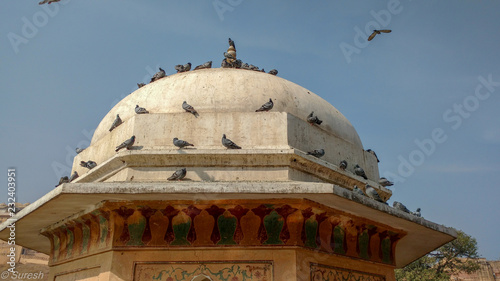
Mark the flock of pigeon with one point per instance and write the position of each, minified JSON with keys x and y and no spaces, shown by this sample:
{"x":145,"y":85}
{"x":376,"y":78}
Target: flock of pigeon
{"x":230,"y":61}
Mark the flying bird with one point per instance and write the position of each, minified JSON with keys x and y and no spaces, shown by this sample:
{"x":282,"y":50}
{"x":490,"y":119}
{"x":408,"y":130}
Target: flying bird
{"x":158,"y":75}
{"x":312,"y":119}
{"x":189,"y":109}
{"x":140,"y":110}
{"x":118,"y":121}
{"x":63,"y":180}
{"x":343,"y":165}
{"x":267,"y":106}
{"x":318,"y":153}
{"x":79,"y":150}
{"x":181,"y":143}
{"x":400,"y":206}
{"x":208,"y":64}
{"x":385,"y":182}
{"x":126,"y":144}
{"x":373,"y":153}
{"x":178,"y":175}
{"x":73,"y":177}
{"x":229,"y":143}
{"x":48,"y":2}
{"x":89,"y":164}
{"x":360,"y":172}
{"x":375,"y":32}
{"x":183,"y":68}
{"x":373,"y":194}
{"x":273,"y":72}
{"x":140,"y":85}
{"x":357,"y":190}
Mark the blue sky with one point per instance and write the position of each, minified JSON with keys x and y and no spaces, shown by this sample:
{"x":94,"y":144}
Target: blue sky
{"x":424,"y":97}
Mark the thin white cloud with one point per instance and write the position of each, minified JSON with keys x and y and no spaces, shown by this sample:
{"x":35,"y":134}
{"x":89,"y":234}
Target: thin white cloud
{"x":491,"y":135}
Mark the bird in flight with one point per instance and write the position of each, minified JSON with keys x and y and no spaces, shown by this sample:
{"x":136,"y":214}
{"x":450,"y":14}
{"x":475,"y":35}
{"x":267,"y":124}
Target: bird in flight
{"x":375,"y":32}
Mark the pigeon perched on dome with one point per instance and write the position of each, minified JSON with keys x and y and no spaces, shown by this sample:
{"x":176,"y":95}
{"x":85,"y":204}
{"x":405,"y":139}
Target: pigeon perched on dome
{"x":158,"y":75}
{"x":63,"y":180}
{"x":126,"y":144}
{"x":178,"y":175}
{"x":400,"y":206}
{"x":385,"y":182}
{"x":208,"y":64}
{"x":181,"y":143}
{"x":89,"y":164}
{"x":417,"y":213}
{"x":318,"y":153}
{"x":231,"y":43}
{"x":343,"y":165}
{"x":183,"y":68}
{"x":267,"y":106}
{"x":140,"y":110}
{"x":74,"y":176}
{"x":312,"y":119}
{"x":117,"y":122}
{"x":358,"y":190}
{"x":190,"y":109}
{"x":373,"y":153}
{"x":229,"y":143}
{"x":373,"y":194}
{"x":360,"y":172}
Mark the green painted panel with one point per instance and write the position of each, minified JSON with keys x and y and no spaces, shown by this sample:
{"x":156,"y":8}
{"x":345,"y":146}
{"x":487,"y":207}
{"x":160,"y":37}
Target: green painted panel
{"x":103,"y":225}
{"x":70,"y":242}
{"x":181,"y":232}
{"x":338,"y":240}
{"x":386,"y":250}
{"x":85,"y":237}
{"x":273,"y":224}
{"x":227,"y":228}
{"x":136,"y":230}
{"x":311,"y":226}
{"x":364,"y":243}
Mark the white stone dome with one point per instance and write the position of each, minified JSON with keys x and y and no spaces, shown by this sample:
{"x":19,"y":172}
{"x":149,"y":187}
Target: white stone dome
{"x":274,"y":144}
{"x":229,"y":90}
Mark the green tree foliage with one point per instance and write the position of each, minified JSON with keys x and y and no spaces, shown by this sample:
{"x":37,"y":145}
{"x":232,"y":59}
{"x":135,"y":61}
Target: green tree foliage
{"x":456,"y":256}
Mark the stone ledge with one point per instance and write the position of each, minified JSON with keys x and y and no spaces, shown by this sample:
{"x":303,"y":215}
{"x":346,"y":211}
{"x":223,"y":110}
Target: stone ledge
{"x":68,"y":199}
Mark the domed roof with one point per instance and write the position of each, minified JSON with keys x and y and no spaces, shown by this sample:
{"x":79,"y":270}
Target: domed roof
{"x":230,"y":90}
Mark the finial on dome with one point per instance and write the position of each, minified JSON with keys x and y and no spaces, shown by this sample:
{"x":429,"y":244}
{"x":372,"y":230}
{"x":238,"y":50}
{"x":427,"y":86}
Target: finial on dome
{"x":232,"y":49}
{"x":230,"y":60}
